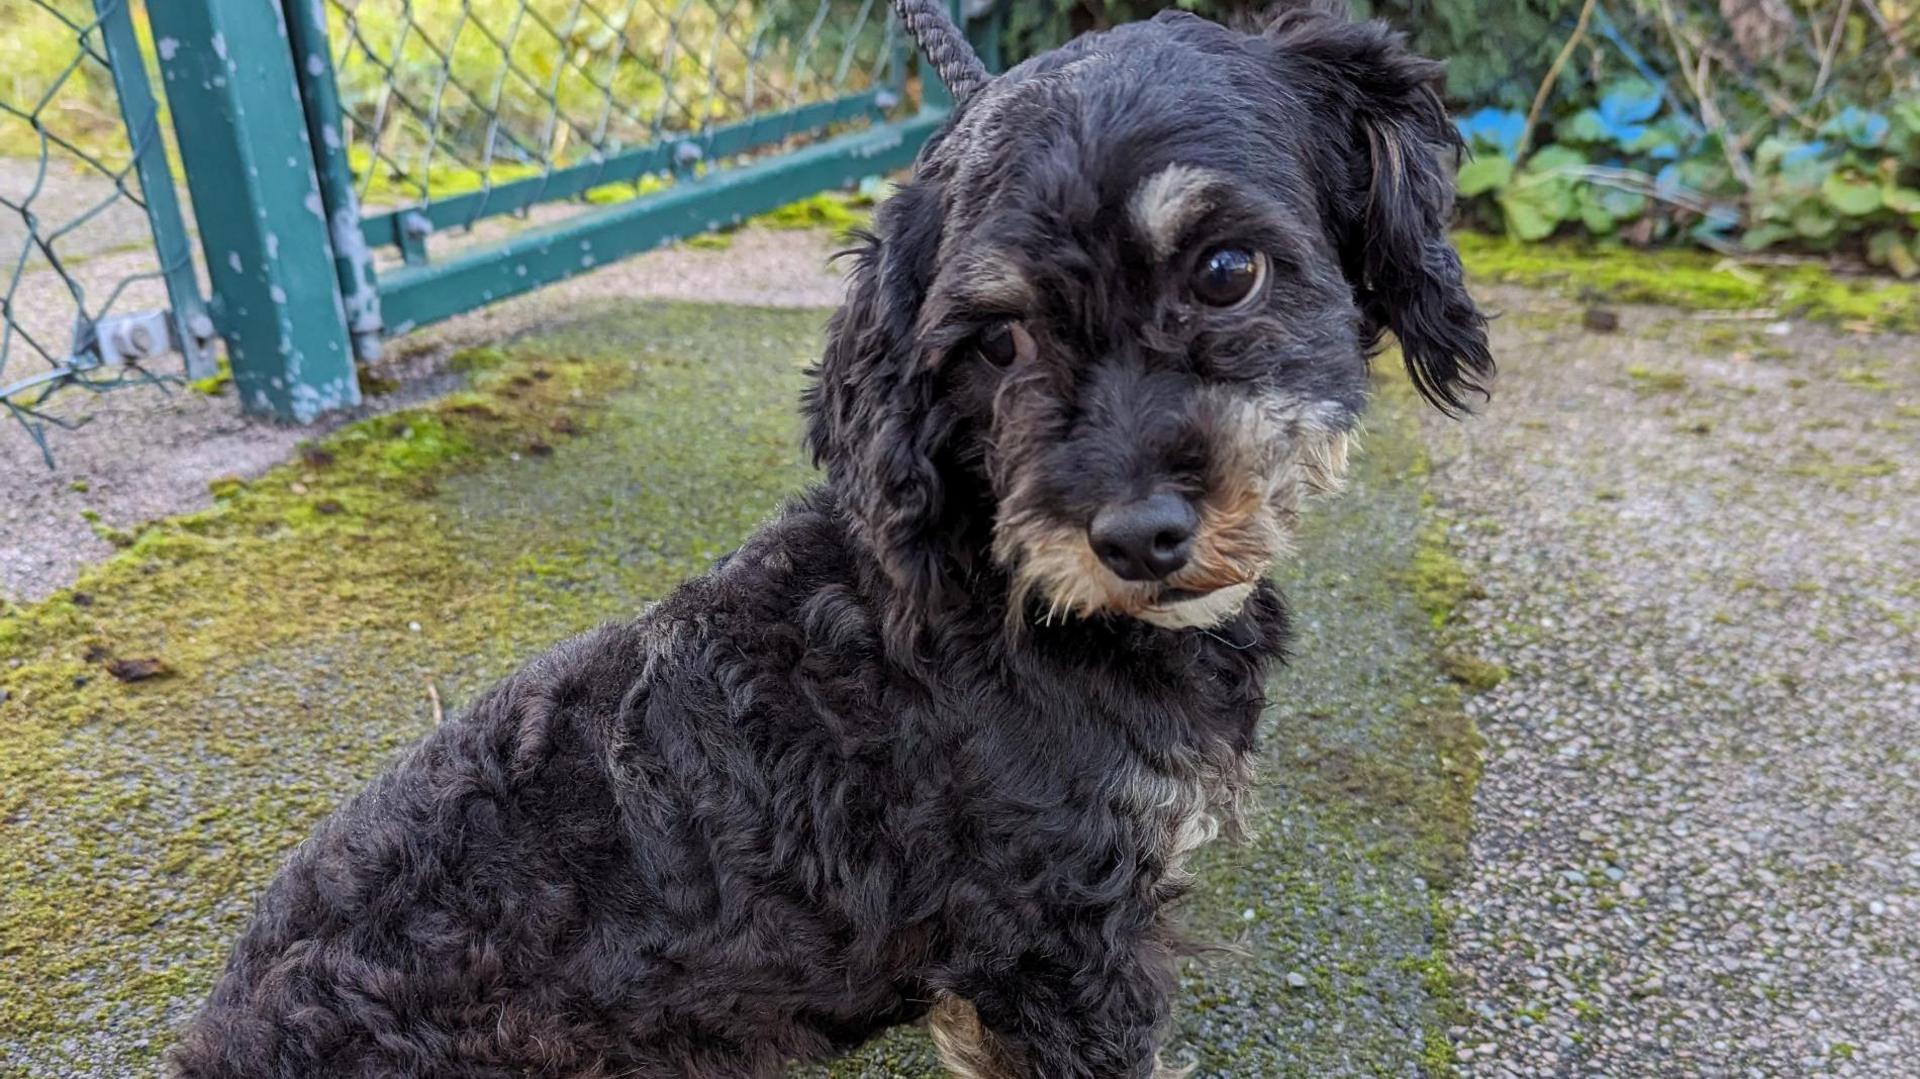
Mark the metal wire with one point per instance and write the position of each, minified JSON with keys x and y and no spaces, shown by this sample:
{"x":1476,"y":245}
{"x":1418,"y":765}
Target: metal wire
{"x":70,"y":201}
{"x":455,"y":96}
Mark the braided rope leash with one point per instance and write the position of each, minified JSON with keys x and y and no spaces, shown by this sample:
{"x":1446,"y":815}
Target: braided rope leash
{"x":944,"y":46}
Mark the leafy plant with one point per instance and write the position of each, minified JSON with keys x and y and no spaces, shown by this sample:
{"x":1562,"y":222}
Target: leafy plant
{"x":1627,"y":164}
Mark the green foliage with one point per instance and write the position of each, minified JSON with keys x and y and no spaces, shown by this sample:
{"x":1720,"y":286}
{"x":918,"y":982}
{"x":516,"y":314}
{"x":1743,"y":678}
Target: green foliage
{"x":1628,"y":167}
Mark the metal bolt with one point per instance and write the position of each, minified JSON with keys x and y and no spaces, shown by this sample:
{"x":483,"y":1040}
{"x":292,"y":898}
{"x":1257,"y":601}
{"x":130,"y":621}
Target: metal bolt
{"x":417,"y":225}
{"x":200,"y":325}
{"x":137,"y":341}
{"x":886,"y":99}
{"x":687,"y":153}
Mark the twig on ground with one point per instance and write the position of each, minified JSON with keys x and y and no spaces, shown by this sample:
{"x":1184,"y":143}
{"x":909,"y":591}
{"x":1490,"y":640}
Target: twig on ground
{"x":1547,"y":81}
{"x":433,"y":696}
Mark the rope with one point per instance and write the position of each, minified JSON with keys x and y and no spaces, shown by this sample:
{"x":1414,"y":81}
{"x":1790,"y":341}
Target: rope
{"x":944,"y":46}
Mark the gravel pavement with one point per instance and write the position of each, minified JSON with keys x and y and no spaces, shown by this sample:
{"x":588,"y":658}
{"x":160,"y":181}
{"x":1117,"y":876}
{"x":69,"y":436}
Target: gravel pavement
{"x":1697,"y":833}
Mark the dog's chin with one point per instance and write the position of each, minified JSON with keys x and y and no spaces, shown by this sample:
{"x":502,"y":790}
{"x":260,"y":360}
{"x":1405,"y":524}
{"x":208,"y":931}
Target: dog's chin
{"x":1178,"y":609}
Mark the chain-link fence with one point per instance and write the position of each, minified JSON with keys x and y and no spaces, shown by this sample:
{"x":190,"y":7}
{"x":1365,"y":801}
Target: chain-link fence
{"x":363,"y":167}
{"x":447,"y":97}
{"x":90,"y":233}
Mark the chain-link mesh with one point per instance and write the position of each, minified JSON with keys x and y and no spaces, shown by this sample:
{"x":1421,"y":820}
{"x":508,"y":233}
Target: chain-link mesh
{"x":73,"y":230}
{"x":446,"y":97}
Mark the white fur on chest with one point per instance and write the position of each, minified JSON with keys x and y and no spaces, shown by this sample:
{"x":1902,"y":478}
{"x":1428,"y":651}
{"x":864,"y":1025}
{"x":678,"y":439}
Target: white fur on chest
{"x":1184,"y":807}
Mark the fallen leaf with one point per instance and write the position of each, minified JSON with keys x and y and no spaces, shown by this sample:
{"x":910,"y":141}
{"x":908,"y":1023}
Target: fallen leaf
{"x":138,"y":670}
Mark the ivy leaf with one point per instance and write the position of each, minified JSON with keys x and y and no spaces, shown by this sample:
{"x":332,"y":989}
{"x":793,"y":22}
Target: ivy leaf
{"x":1761,"y":237}
{"x":1537,"y":201}
{"x":1534,"y":211}
{"x":1583,"y":126}
{"x":1484,"y":174}
{"x":1888,"y":248}
{"x":1602,"y":208}
{"x":1863,"y":129}
{"x":1812,"y":221}
{"x":1901,"y":200}
{"x":1492,"y":130}
{"x":1850,"y":195}
{"x":1660,"y":141}
{"x":1555,"y":157}
{"x":1625,"y":108}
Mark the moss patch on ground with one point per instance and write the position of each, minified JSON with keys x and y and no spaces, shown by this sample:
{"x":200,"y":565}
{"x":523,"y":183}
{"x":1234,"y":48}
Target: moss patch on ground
{"x":1694,"y":279}
{"x":303,"y":619}
{"x":305,"y":624}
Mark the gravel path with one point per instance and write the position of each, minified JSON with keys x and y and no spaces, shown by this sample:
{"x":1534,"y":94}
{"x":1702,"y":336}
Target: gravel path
{"x":1697,"y":835}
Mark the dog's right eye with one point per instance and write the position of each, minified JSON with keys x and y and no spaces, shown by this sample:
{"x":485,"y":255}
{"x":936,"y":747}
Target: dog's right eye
{"x":1002,"y":343}
{"x":1228,"y":275}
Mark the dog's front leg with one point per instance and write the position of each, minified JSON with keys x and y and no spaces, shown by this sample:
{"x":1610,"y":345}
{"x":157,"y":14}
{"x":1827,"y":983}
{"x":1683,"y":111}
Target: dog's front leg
{"x":1052,"y":1018}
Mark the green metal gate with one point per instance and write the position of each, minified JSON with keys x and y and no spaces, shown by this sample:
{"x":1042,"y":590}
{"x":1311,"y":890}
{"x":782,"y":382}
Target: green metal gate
{"x":359,"y":168}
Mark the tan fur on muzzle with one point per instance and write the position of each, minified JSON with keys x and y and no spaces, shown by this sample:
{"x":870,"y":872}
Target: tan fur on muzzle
{"x":1267,"y":455}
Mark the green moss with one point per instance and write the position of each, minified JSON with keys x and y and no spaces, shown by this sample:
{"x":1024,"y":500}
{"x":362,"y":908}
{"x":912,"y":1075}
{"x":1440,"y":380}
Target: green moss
{"x":213,"y":384}
{"x":836,"y":210}
{"x":473,"y":360}
{"x":1471,"y":671}
{"x":139,"y":818}
{"x":1693,"y":279}
{"x":711,"y":241}
{"x":1647,"y":380}
{"x":1866,"y":379}
{"x":1436,"y":578}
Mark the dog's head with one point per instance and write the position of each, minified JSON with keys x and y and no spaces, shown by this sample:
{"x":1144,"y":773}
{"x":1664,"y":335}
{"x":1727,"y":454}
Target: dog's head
{"x":1117,"y":325}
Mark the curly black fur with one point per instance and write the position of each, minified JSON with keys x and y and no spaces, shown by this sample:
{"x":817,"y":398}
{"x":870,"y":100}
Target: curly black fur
{"x":855,"y":774}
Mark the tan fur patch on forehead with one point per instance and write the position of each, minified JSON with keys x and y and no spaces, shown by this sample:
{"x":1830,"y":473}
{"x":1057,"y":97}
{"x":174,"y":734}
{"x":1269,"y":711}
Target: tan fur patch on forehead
{"x":990,"y":277}
{"x":984,"y":278}
{"x":1168,"y":202}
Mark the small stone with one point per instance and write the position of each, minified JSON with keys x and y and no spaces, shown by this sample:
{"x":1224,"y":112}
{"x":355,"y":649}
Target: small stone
{"x":413,"y":626}
{"x":1600,"y":320}
{"x":1296,"y":980}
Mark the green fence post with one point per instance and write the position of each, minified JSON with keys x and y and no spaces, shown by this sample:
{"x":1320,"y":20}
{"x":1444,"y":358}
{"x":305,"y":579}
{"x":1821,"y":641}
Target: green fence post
{"x":237,"y":111}
{"x":985,"y":25}
{"x":320,"y":94}
{"x":192,"y":329}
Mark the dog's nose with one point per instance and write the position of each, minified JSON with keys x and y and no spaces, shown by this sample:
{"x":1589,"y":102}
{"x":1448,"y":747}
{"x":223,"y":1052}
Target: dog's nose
{"x":1147,"y":539}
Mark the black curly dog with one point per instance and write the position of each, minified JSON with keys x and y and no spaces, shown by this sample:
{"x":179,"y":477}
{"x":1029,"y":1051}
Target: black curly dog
{"x":934,"y":743}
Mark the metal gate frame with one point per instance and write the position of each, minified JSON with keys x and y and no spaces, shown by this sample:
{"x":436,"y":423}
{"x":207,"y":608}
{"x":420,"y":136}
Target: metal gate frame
{"x":295,"y":292}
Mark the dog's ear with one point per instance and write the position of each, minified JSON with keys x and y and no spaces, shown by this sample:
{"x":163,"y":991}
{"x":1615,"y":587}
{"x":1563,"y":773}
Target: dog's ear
{"x":1392,"y":150}
{"x":875,"y":418}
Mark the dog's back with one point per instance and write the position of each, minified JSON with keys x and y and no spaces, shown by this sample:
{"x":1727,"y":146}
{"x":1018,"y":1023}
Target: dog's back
{"x":593,"y":871}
